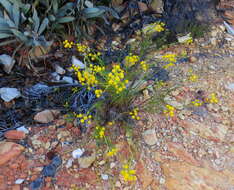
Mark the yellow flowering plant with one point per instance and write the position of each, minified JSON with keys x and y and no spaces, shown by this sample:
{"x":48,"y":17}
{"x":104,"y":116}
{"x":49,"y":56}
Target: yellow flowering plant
{"x":169,"y":111}
{"x":128,"y":174}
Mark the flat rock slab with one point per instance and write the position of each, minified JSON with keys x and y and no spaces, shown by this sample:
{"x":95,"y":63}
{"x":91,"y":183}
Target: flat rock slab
{"x":188,"y":177}
{"x":8,"y":151}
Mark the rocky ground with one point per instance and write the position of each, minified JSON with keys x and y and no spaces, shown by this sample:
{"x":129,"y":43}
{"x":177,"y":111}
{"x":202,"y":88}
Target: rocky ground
{"x":191,"y":151}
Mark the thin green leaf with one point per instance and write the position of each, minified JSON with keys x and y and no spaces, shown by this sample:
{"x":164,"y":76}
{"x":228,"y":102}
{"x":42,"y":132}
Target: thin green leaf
{"x":51,"y":18}
{"x":3,"y":21}
{"x":63,"y":11}
{"x":19,"y":35}
{"x":55,"y":6}
{"x":7,"y":6}
{"x":43,"y":26}
{"x":93,"y":12}
{"x":10,"y":23}
{"x":36,"y":21}
{"x":16,"y":14}
{"x":65,"y":19}
{"x":4,"y":35}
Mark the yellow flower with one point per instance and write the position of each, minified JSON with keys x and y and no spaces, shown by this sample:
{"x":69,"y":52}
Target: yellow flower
{"x":82,"y":48}
{"x":144,"y":66}
{"x":171,"y":58}
{"x":98,"y":93}
{"x":193,"y":78}
{"x":112,"y":152}
{"x":67,"y":44}
{"x":134,"y":114}
{"x":197,"y":102}
{"x":115,"y":79}
{"x":169,"y":110}
{"x":100,"y":132}
{"x":131,"y":60}
{"x":128,"y":174}
{"x":159,"y":27}
{"x":168,"y":65}
{"x":212,"y":99}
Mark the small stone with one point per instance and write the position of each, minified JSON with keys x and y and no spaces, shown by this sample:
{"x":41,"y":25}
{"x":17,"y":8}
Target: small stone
{"x":214,"y":33}
{"x":69,"y":163}
{"x":38,"y":169}
{"x":213,"y":41}
{"x":8,"y":94}
{"x":77,"y":63}
{"x":8,"y":151}
{"x":67,"y":80}
{"x":47,"y":145}
{"x":217,"y":161}
{"x":230,"y":86}
{"x":146,"y":94}
{"x":59,"y":70}
{"x":23,"y":128}
{"x":77,"y":153}
{"x":7,"y":62}
{"x":173,"y":103}
{"x":86,"y":161}
{"x":57,"y":161}
{"x":46,"y":116}
{"x":19,"y":181}
{"x":162,"y":181}
{"x":112,"y":165}
{"x":102,"y":162}
{"x":14,"y":134}
{"x":49,"y":170}
{"x":36,"y":142}
{"x":118,"y":184}
{"x":104,"y":176}
{"x":222,"y":27}
{"x":150,"y":137}
{"x":193,"y":59}
{"x":37,"y":184}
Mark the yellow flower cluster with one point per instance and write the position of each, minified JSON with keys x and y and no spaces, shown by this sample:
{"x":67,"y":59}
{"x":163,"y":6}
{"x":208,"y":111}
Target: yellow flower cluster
{"x":84,"y":118}
{"x":115,"y":79}
{"x":169,"y":111}
{"x":82,"y":48}
{"x":87,"y":78}
{"x":96,"y":68}
{"x":134,"y":114}
{"x":112,"y":152}
{"x":100,"y":132}
{"x":159,"y":27}
{"x":212,"y":99}
{"x":94,"y":56}
{"x":189,"y":41}
{"x":197,"y":102}
{"x":160,"y":83}
{"x":131,"y":60}
{"x":128,"y":174}
{"x":169,"y":58}
{"x":168,"y":65}
{"x":193,"y":78}
{"x":144,"y":66}
{"x":111,"y":123}
{"x":67,"y":44}
{"x":98,"y":92}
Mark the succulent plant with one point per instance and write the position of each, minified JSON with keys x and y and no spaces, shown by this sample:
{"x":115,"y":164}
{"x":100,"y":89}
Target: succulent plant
{"x":12,"y":24}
